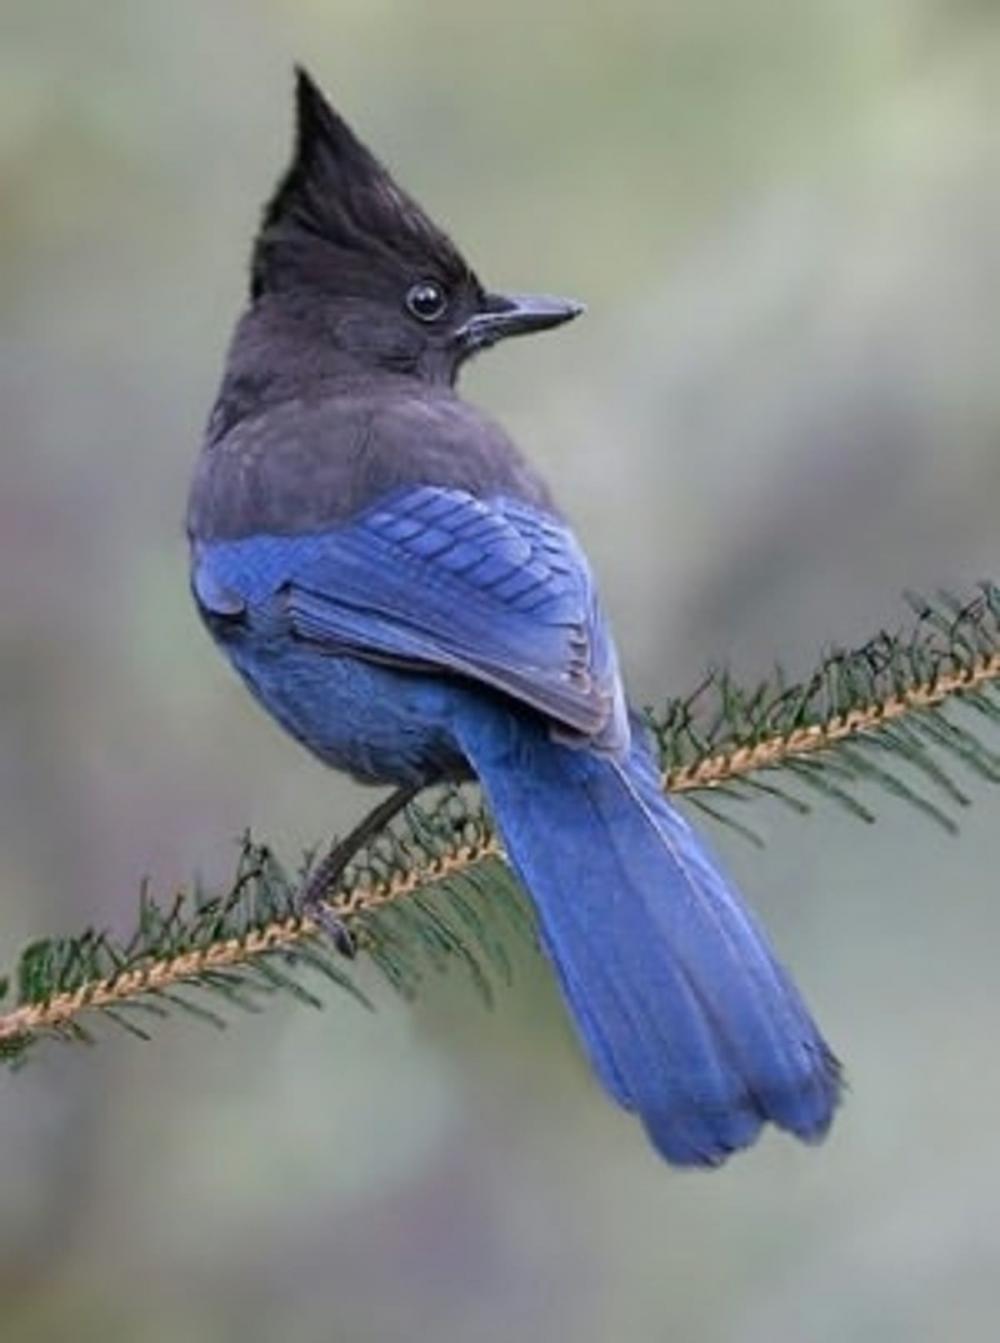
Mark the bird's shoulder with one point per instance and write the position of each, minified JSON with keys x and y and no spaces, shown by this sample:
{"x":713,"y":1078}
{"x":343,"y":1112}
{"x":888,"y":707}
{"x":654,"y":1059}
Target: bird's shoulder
{"x":312,"y":462}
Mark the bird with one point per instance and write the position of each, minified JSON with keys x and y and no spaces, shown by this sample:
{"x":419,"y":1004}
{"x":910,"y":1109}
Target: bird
{"x":397,"y":587}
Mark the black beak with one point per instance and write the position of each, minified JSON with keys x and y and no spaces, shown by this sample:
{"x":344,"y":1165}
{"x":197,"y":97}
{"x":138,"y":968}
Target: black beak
{"x":502,"y":315}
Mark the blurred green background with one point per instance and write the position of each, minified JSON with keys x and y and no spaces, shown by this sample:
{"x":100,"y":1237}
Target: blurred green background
{"x":781,"y":409}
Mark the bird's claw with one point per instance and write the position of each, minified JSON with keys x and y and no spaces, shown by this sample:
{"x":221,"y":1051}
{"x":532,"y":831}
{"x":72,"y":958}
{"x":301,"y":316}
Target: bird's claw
{"x":332,"y":926}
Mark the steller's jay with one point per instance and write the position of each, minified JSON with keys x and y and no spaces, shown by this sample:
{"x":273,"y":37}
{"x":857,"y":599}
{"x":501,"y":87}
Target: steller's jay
{"x":396,"y":586}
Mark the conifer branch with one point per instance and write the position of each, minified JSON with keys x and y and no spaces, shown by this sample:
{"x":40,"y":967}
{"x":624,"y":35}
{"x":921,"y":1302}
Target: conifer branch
{"x":430,"y":888}
{"x":774,"y":751}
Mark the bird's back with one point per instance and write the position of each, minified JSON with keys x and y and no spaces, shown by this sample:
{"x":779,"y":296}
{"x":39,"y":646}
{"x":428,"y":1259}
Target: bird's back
{"x":314,"y":461}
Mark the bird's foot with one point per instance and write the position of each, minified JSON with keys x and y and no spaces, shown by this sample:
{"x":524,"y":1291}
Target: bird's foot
{"x":330,"y":869}
{"x":322,"y":913}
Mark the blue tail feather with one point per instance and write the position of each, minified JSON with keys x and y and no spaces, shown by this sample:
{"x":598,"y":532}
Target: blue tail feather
{"x":687,"y":1017}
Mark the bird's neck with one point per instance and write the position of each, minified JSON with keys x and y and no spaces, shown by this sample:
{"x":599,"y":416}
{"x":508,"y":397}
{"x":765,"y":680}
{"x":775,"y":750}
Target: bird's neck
{"x":281,"y":351}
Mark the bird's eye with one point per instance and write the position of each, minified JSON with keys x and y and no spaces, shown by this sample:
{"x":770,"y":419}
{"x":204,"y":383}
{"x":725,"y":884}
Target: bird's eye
{"x":426,"y":300}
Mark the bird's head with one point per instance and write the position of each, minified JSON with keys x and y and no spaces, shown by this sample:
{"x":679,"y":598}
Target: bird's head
{"x":379,"y":279}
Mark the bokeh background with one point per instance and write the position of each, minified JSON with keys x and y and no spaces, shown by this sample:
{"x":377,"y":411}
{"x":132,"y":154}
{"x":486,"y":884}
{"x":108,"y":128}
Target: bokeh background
{"x":781,"y":410}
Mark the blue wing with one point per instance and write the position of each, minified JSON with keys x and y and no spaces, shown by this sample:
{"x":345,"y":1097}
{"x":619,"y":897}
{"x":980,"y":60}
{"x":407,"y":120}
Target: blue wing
{"x":437,"y":579}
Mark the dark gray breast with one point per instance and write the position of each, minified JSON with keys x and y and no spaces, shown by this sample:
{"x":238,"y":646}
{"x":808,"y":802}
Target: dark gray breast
{"x":308,"y":463}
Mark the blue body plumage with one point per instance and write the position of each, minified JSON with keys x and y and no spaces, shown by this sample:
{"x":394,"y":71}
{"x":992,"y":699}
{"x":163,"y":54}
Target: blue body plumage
{"x":396,"y":587}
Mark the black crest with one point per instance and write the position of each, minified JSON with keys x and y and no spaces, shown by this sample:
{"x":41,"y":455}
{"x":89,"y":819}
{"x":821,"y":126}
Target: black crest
{"x":335,"y":192}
